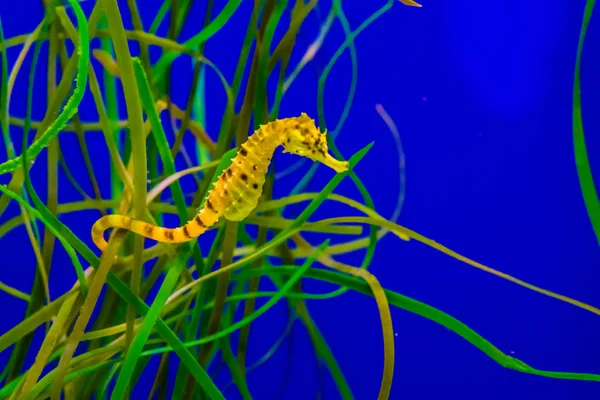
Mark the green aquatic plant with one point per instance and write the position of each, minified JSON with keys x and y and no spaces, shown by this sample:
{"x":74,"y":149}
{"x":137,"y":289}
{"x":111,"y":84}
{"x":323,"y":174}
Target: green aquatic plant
{"x":192,"y":310}
{"x":586,"y":181}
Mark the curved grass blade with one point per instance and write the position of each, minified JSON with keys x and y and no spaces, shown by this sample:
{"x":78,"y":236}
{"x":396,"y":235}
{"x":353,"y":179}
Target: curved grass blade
{"x":159,"y":69}
{"x":138,"y":141}
{"x":10,"y":151}
{"x":348,"y":43}
{"x":586,"y":181}
{"x":41,"y":279}
{"x":438,"y":316}
{"x":298,"y":273}
{"x":14,"y":292}
{"x":72,"y":104}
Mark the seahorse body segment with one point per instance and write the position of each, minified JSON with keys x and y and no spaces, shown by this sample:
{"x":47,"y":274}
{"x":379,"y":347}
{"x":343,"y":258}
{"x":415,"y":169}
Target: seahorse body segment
{"x":237,"y":191}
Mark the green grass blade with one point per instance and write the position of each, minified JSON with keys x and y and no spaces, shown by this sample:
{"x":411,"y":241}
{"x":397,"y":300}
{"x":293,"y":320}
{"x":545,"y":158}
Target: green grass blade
{"x":68,"y":248}
{"x":10,"y":151}
{"x":298,"y":273}
{"x":166,"y":59}
{"x":433,"y":314}
{"x":264,"y":56}
{"x":160,"y":15}
{"x":238,"y":378}
{"x":14,"y":292}
{"x":137,"y":137}
{"x":348,"y":43}
{"x":139,"y":341}
{"x":72,"y":104}
{"x":586,"y":181}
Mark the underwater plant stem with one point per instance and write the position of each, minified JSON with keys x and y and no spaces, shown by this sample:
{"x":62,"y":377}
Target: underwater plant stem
{"x":384,"y":313}
{"x":227,"y":247}
{"x":64,"y":317}
{"x":113,"y":129}
{"x":138,"y":140}
{"x":348,"y":43}
{"x":286,"y":44}
{"x":67,"y":24}
{"x":312,"y":50}
{"x":8,"y":82}
{"x":53,"y":150}
{"x":45,"y":125}
{"x":85,"y":313}
{"x":243,"y":57}
{"x":148,"y":325}
{"x":111,"y":144}
{"x":584,"y":171}
{"x":300,"y":271}
{"x":191,"y":44}
{"x":160,"y":140}
{"x":14,"y":292}
{"x":71,"y":106}
{"x":89,"y":166}
{"x":136,"y":21}
{"x":43,"y":291}
{"x":40,"y":287}
{"x":225,"y":347}
{"x":249,"y":304}
{"x":198,"y":68}
{"x":401,"y":161}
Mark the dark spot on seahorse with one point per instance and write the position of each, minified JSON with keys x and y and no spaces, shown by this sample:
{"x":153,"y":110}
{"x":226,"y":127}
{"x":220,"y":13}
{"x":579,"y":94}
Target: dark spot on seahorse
{"x":314,"y":151}
{"x":169,"y":234}
{"x":297,"y":126}
{"x":254,"y":167}
{"x":243,"y":151}
{"x":185,"y":231}
{"x":305,"y":131}
{"x":225,"y":192}
{"x":244,"y":177}
{"x":229,"y":172}
{"x":322,"y":152}
{"x":289,"y":140}
{"x":255,"y":185}
{"x":209,"y":205}
{"x":148,"y":229}
{"x":199,"y":221}
{"x":306,"y":143}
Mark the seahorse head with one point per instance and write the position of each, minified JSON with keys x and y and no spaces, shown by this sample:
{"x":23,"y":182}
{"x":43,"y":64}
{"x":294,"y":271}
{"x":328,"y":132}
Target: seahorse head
{"x":304,"y":138}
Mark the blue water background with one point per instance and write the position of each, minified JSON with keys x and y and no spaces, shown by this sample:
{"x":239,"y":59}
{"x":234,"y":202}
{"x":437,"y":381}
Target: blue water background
{"x":481,"y":93}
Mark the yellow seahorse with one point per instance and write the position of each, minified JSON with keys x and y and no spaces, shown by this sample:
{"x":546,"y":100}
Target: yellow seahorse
{"x":237,"y":191}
